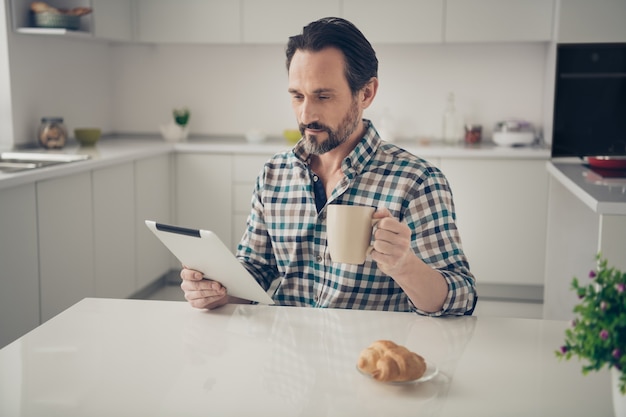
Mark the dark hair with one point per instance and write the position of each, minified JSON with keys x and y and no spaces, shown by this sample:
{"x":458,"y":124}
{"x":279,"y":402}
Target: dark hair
{"x":361,"y":61}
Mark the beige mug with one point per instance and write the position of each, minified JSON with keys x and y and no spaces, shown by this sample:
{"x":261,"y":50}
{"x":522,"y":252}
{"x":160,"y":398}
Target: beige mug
{"x":349,"y":232}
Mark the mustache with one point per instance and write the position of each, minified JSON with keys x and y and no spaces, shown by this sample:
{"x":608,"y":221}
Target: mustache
{"x":314,"y":126}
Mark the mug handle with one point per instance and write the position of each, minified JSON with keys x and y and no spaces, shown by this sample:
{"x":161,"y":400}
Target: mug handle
{"x":370,"y":248}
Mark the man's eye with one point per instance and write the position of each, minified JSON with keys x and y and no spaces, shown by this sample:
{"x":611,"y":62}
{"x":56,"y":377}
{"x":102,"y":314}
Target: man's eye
{"x":324,"y":97}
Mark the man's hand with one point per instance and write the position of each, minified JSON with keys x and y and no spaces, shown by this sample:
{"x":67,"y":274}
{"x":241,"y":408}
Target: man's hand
{"x":202,"y":293}
{"x":392,"y":243}
{"x":392,"y":252}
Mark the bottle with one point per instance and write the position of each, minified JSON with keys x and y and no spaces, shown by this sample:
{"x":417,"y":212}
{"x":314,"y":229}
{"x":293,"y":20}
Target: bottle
{"x":450,"y":122}
{"x":387,"y":127}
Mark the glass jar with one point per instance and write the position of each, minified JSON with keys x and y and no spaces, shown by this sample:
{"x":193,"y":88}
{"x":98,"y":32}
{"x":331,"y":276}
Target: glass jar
{"x":473,"y":134}
{"x":52,"y":133}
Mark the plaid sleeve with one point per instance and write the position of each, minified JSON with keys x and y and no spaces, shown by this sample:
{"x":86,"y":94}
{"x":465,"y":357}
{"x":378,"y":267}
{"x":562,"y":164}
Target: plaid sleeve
{"x":436,"y":240}
{"x":255,"y":248}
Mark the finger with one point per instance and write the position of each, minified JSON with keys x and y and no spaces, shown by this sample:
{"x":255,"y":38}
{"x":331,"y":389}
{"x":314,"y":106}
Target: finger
{"x":206,"y":287}
{"x":381,"y":213}
{"x":209,"y":303}
{"x":190,"y":274}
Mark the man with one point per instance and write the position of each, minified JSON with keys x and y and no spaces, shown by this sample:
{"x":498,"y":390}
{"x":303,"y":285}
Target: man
{"x":417,"y":263}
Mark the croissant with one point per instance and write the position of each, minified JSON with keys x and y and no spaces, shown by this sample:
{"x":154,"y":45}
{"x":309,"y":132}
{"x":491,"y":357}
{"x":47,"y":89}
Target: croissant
{"x":386,"y":361}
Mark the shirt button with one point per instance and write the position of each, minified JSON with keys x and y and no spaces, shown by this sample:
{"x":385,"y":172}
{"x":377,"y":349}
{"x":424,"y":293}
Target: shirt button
{"x":319,"y":259}
{"x":315,"y":178}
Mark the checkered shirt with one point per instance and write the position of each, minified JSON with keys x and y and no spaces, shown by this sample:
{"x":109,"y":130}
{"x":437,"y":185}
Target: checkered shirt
{"x":286,"y":236}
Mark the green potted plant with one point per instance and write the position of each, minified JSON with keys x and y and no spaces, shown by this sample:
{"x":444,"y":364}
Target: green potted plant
{"x":598,"y":332}
{"x":181,"y":116}
{"x":178,"y":128}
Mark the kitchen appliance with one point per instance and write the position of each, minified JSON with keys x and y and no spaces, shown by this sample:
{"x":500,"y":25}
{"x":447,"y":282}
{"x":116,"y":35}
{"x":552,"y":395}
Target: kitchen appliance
{"x":514,"y":133}
{"x":590,"y":101}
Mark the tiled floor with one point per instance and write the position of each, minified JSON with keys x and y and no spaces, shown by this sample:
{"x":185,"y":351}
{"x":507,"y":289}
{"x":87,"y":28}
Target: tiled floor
{"x":491,"y":308}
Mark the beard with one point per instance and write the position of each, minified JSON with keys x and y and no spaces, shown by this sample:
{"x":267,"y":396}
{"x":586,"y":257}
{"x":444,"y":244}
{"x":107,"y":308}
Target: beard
{"x":336,"y":137}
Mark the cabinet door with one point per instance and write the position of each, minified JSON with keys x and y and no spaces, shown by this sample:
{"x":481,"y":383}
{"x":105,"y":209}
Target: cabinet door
{"x":66,"y":251}
{"x":592,"y":21}
{"x":246,"y":168}
{"x":152,"y":202}
{"x":114,"y":231}
{"x":19,"y":271}
{"x":502,"y":214}
{"x":112,"y":19}
{"x":204,"y":193}
{"x":188,"y":21}
{"x":399,"y":21}
{"x":274,"y":21}
{"x":499,"y":20}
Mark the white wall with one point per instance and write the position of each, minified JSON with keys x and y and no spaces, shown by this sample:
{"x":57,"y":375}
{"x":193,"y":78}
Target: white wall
{"x":231,"y":89}
{"x":132,"y":88}
{"x":53,"y":76}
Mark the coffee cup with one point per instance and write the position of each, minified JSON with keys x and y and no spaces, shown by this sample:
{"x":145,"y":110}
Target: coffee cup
{"x":349,"y":232}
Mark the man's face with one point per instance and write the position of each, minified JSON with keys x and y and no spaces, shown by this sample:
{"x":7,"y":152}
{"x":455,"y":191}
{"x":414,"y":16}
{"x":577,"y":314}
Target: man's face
{"x":327,"y":112}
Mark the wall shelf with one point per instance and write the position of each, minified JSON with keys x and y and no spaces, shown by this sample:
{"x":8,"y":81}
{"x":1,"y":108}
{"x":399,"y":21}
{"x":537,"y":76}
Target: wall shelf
{"x":53,"y":31}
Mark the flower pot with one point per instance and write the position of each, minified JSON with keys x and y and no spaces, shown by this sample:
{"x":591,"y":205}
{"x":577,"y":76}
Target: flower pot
{"x":173,"y":132}
{"x":619,"y":400}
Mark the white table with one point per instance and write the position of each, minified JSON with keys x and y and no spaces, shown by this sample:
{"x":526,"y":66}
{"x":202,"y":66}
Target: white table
{"x":162,"y":358}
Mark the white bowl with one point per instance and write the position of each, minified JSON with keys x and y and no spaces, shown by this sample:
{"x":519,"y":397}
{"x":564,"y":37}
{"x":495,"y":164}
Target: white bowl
{"x":513,"y":138}
{"x":256,"y":136}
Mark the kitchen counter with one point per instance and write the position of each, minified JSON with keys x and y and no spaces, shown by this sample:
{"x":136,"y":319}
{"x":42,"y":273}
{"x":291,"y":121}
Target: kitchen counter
{"x":586,"y":216}
{"x":106,"y":357}
{"x":123,"y":148}
{"x":602,"y":195}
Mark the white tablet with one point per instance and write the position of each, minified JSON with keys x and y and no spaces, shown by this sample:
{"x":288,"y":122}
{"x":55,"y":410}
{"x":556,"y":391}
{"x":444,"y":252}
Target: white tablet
{"x":203,"y":251}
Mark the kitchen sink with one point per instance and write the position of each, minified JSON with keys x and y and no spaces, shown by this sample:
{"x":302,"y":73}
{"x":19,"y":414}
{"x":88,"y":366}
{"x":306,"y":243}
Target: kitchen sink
{"x":23,"y":161}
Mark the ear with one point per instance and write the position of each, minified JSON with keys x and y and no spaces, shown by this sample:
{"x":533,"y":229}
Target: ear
{"x":368,"y":92}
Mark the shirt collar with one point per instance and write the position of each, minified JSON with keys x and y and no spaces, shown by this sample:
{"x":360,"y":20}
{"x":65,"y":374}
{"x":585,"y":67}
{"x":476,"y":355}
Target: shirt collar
{"x":360,"y":155}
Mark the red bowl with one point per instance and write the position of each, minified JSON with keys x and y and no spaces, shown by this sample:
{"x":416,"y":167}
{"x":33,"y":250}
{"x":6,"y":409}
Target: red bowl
{"x":607,"y":162}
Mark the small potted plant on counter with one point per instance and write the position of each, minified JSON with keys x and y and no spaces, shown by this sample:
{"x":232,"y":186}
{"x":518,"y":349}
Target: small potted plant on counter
{"x":178,"y":128}
{"x":598,"y":333}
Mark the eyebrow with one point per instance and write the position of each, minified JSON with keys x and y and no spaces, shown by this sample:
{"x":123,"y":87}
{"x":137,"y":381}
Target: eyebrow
{"x":316,"y":91}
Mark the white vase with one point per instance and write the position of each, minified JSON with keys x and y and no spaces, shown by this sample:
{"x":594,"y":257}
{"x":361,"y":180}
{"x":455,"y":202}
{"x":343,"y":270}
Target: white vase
{"x":619,"y":400}
{"x":173,"y":132}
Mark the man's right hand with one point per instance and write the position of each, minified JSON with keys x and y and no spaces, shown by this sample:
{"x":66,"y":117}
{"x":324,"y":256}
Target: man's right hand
{"x":202,"y":293}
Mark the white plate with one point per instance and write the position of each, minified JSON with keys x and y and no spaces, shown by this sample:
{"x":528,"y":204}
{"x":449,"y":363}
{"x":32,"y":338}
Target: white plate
{"x":431,"y":372}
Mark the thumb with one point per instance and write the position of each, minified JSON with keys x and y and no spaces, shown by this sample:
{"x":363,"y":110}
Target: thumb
{"x":381,"y":213}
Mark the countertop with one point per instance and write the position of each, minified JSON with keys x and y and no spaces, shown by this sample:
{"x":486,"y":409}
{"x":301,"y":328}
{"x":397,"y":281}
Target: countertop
{"x":124,"y":148}
{"x":105,"y":357}
{"x":602,"y":195}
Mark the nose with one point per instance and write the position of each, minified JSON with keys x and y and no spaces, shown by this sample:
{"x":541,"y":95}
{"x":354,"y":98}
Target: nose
{"x":308,"y":112}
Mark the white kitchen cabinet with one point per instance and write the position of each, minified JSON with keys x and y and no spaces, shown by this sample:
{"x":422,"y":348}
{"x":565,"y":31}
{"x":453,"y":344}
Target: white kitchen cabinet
{"x":113,"y":19}
{"x":203,"y":184}
{"x":583,"y":21}
{"x":114,"y":231}
{"x":273,"y":21}
{"x":66,"y":235}
{"x":188,"y":21}
{"x":501,"y":213}
{"x":246,"y":168}
{"x":585,"y":217}
{"x":19,"y":266}
{"x":499,"y":20}
{"x":397,"y":21}
{"x":152,"y":202}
